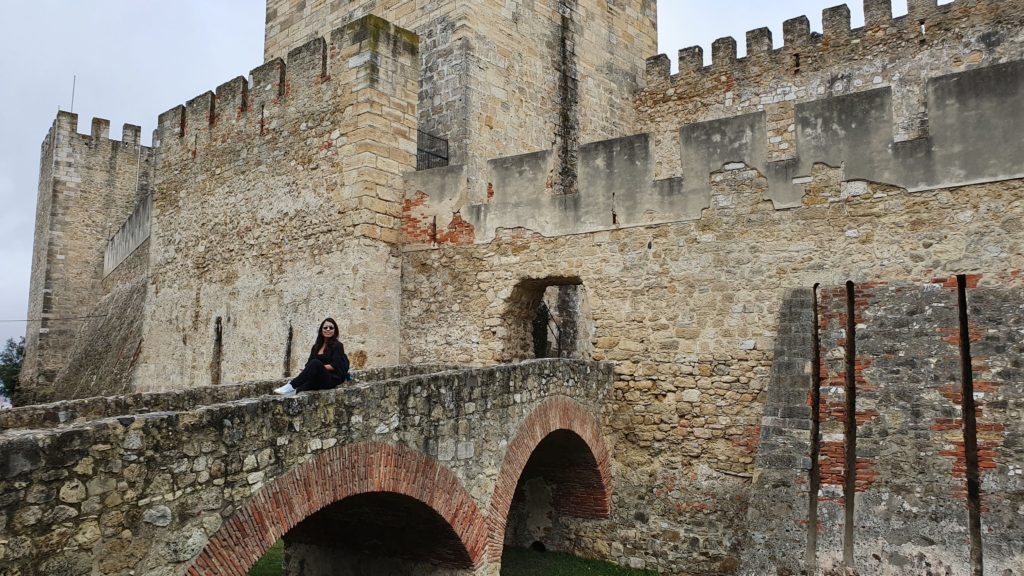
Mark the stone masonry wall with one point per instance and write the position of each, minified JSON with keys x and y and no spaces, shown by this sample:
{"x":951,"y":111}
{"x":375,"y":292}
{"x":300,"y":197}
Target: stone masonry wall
{"x":132,"y":234}
{"x":901,"y":478}
{"x":88,"y":186}
{"x":276,"y":206}
{"x":444,"y":59}
{"x":504,"y":78}
{"x":901,"y":53}
{"x":995,"y":324}
{"x":688,"y":311}
{"x":213,"y":486}
{"x":616,"y":178}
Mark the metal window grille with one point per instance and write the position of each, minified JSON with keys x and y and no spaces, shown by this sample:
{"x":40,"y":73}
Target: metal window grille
{"x":431,"y":151}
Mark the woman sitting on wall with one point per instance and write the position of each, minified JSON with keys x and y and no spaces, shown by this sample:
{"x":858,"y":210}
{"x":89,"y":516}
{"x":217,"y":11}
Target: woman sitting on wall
{"x":327,"y":365}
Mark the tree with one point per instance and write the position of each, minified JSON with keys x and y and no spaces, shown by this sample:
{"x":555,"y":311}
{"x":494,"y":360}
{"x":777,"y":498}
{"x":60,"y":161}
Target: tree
{"x":10,"y":365}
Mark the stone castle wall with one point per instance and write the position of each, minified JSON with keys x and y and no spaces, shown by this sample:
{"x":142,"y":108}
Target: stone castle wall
{"x":901,"y":53}
{"x":278,"y":204}
{"x":848,"y":105}
{"x":886,"y":156}
{"x":88,"y":186}
{"x":504,"y":78}
{"x":690,"y":314}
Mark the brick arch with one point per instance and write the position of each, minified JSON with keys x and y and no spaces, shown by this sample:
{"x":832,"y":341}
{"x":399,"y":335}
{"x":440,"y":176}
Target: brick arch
{"x":554,"y":414}
{"x":356,"y":469}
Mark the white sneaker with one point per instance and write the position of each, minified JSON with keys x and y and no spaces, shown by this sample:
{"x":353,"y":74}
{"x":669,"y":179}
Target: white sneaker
{"x":285,"y":390}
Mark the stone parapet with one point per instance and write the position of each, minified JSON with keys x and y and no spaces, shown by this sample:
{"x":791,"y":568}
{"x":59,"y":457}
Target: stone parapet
{"x":72,"y":412}
{"x":208,"y":489}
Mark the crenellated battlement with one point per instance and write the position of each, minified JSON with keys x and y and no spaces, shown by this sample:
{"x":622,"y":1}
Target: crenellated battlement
{"x":66,"y":124}
{"x":902,"y":54}
{"x":316,"y":74}
{"x":926,"y":25}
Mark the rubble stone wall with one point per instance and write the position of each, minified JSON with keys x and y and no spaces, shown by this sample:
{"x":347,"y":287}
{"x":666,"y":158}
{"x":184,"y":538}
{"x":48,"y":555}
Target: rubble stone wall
{"x":207,"y":489}
{"x":690,"y":314}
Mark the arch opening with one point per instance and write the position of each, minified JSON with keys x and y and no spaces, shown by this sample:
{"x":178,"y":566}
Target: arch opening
{"x":560,"y":485}
{"x":375,"y":533}
{"x":549,"y":318}
{"x":366,"y":507}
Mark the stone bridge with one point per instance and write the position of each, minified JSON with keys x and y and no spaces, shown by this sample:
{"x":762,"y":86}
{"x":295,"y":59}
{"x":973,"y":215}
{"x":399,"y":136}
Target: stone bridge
{"x":414,"y":470}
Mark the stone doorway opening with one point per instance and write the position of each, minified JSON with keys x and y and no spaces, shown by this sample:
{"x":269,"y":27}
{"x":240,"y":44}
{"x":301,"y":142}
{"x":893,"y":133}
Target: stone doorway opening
{"x":549,"y":318}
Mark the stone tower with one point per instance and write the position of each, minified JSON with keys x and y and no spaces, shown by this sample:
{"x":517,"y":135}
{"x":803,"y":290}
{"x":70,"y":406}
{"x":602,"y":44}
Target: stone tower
{"x":501,"y":78}
{"x":277,"y":203}
{"x":88,"y":185}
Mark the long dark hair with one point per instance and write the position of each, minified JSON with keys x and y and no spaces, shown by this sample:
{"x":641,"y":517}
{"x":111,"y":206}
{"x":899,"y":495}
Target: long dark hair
{"x":327,"y":343}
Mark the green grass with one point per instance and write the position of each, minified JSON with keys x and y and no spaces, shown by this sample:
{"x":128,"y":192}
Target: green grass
{"x":519,"y":562}
{"x":270,"y":564}
{"x":514,"y":562}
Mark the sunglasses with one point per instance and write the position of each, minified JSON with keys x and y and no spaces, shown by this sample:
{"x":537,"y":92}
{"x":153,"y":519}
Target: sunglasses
{"x":328,"y":328}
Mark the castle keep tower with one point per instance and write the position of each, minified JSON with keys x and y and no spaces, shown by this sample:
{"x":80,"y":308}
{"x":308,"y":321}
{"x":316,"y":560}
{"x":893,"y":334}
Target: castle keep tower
{"x":277,"y":204}
{"x":505,"y":78}
{"x":88,"y":186}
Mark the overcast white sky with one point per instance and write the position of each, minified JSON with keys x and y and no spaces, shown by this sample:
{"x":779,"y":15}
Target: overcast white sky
{"x":135,"y":59}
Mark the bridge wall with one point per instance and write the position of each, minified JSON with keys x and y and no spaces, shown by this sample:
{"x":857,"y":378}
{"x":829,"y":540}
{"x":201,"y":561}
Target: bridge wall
{"x":151,"y":492}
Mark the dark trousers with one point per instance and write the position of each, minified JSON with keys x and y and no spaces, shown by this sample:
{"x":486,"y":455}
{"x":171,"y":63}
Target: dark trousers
{"x":315,"y":377}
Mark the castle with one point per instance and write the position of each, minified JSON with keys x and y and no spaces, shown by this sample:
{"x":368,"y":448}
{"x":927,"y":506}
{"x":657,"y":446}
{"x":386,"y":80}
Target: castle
{"x":805,"y":263}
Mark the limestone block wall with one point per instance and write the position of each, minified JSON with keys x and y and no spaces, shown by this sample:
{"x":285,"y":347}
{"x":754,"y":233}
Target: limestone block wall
{"x":900,"y":53}
{"x":277,"y":205}
{"x":689,"y":312}
{"x":974,"y":121}
{"x":88,"y":186}
{"x":444,"y":62}
{"x":505,"y":78}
